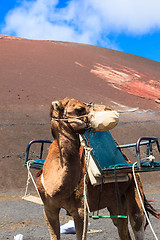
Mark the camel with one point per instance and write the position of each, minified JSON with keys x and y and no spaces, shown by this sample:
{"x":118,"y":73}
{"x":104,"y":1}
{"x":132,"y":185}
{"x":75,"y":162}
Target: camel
{"x":61,"y":181}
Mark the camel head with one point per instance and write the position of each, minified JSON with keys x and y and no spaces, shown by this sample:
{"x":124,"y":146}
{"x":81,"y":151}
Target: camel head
{"x":79,"y":116}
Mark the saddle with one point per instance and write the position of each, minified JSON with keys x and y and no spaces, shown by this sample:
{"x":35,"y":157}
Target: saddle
{"x":102,"y":154}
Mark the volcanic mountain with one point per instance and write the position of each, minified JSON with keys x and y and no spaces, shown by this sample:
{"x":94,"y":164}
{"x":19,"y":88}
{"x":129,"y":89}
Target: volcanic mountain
{"x":34,"y":73}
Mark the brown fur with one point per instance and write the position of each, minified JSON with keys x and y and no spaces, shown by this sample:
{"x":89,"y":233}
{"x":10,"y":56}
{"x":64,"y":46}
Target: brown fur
{"x":149,"y":209}
{"x":63,"y":174}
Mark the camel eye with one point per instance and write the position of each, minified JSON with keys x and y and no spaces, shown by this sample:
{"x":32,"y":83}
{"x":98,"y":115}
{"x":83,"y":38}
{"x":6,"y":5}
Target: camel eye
{"x":80,"y":110}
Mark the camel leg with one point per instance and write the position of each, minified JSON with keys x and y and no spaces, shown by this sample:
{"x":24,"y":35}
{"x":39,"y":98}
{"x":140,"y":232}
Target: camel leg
{"x":120,"y":223}
{"x":135,"y":212}
{"x":52,"y":218}
{"x":51,"y":214}
{"x":78,"y":216}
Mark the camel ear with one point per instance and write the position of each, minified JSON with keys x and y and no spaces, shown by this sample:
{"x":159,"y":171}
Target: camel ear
{"x":56,"y":105}
{"x":60,"y":105}
{"x":65,"y":101}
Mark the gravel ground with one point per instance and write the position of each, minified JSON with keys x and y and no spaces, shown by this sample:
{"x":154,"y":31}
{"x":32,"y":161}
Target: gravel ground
{"x":21,"y":217}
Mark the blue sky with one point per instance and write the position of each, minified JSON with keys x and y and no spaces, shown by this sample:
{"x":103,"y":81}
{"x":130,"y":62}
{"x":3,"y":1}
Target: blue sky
{"x":131,"y":26}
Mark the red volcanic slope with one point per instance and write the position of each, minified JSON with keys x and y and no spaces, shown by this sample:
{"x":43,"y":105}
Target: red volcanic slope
{"x":34,"y":73}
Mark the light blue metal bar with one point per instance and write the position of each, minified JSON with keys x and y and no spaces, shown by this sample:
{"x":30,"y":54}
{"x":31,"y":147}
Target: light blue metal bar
{"x":134,"y":144}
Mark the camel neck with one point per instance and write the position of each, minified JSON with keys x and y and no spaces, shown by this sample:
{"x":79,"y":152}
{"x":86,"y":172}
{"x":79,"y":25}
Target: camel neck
{"x":68,"y":143}
{"x":62,"y":168}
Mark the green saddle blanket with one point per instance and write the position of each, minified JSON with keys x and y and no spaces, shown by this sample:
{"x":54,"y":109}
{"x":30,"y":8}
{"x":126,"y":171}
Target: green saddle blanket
{"x":105,"y":152}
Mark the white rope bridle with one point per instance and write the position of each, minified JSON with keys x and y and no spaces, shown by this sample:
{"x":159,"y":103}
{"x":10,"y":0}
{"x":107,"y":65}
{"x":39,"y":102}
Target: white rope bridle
{"x":86,"y":205}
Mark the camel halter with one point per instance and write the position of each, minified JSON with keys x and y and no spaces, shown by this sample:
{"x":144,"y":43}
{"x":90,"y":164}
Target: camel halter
{"x":65,"y":117}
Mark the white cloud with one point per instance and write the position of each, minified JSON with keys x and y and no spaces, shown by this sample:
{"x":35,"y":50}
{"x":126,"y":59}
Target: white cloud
{"x":85,"y":21}
{"x":131,"y":16}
